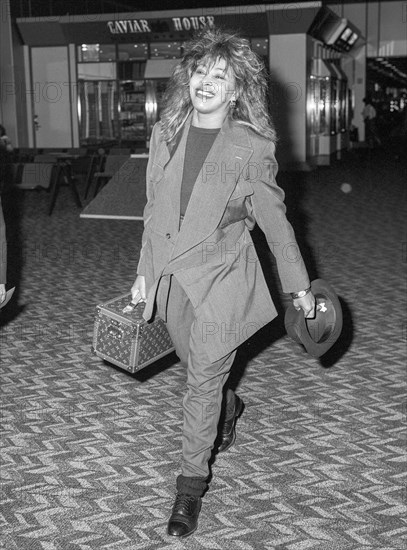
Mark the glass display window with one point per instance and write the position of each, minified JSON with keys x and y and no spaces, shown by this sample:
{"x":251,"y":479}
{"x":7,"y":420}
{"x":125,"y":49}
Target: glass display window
{"x":260,"y":46}
{"x":155,"y":90}
{"x":312,"y":105}
{"x":165,"y":50}
{"x":96,"y":71}
{"x":97,"y":113}
{"x":318,"y":104}
{"x":97,"y":102}
{"x":96,"y":52}
{"x":129,"y":52}
{"x":115,"y":76}
{"x":334,"y":106}
{"x":132,"y":110}
{"x":343,"y":106}
{"x":131,"y":70}
{"x":323,"y":105}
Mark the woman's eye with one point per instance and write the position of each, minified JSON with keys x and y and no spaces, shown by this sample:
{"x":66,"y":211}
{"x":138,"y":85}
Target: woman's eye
{"x":200,"y":71}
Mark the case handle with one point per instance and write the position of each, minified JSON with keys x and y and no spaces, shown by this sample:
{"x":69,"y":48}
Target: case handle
{"x":130,"y":307}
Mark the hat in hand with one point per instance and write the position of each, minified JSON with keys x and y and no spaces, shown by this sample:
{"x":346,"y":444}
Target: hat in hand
{"x":319,"y":334}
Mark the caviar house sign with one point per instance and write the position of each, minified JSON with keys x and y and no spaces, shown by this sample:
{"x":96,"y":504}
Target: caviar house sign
{"x":125,"y":26}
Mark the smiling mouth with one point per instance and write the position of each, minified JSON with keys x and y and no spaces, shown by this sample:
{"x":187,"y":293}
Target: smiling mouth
{"x":204,"y":94}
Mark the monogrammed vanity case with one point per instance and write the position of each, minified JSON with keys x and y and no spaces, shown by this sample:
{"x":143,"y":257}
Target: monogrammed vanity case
{"x":126,"y":339}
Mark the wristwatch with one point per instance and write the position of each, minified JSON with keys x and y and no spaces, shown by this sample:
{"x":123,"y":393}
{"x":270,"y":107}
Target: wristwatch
{"x":300,"y":294}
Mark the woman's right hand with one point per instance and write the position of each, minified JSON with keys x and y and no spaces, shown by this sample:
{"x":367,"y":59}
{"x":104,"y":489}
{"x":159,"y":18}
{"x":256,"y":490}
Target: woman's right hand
{"x":138,"y":293}
{"x":138,"y":290}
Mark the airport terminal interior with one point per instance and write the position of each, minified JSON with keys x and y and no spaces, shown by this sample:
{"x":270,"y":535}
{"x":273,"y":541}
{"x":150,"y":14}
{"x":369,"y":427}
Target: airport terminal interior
{"x":90,"y":452}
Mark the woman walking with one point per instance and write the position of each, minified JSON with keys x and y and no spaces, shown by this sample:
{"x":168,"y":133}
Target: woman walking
{"x":210,"y":178}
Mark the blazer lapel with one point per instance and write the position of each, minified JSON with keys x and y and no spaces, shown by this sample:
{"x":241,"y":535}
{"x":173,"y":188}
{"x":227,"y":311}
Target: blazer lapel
{"x":215,"y":183}
{"x":167,"y":151}
{"x":173,"y":174}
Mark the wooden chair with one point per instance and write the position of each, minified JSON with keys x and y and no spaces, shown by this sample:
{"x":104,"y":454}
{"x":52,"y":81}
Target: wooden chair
{"x":49,"y":173}
{"x":37,"y":175}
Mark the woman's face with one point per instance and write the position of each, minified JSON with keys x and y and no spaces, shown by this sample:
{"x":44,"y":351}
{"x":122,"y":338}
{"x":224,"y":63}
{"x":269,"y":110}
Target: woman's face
{"x":211,"y":88}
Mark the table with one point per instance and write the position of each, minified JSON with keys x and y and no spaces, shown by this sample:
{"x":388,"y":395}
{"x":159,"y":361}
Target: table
{"x":124,"y":196}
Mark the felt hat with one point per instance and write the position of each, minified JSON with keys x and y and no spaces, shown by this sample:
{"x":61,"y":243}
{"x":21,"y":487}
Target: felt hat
{"x":319,"y":334}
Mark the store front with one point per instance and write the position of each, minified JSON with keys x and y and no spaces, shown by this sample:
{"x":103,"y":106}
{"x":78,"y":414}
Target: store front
{"x":313,"y":94}
{"x":103,"y":81}
{"x":100,"y":81}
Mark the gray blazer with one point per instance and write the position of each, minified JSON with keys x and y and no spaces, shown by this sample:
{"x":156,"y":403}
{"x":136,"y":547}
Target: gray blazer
{"x":212,"y":254}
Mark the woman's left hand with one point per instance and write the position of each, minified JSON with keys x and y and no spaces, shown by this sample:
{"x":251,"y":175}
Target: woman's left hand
{"x":307,"y":304}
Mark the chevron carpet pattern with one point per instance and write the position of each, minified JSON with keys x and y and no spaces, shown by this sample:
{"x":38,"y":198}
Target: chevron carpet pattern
{"x":90,"y":453}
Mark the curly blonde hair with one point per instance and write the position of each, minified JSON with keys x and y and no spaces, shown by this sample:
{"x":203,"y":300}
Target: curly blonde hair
{"x":205,"y":48}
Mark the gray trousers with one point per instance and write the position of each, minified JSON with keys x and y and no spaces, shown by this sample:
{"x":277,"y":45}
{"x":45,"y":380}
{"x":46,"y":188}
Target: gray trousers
{"x":205,"y":380}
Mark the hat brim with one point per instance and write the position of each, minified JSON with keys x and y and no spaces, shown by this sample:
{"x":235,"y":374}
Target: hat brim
{"x":317,"y":335}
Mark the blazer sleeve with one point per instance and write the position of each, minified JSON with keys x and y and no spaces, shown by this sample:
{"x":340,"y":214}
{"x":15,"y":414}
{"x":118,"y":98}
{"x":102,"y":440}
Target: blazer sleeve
{"x":154,"y":141}
{"x":269,"y":212}
{"x":3,"y":248}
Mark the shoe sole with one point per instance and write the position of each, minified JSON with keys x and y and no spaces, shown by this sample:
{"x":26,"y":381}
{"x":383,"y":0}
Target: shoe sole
{"x":183,"y":536}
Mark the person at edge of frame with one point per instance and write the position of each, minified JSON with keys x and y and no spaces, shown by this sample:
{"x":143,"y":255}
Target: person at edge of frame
{"x":210,"y":178}
{"x":5,"y":150}
{"x":3,"y":256}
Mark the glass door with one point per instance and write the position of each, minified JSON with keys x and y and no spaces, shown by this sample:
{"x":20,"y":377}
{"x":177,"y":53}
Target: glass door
{"x":97,"y":112}
{"x":132,"y":109}
{"x":97,"y":103}
{"x":155,"y":90}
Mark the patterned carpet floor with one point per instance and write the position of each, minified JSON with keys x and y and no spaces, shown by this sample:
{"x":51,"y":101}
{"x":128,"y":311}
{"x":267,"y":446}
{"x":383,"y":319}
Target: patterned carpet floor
{"x":89,"y":452}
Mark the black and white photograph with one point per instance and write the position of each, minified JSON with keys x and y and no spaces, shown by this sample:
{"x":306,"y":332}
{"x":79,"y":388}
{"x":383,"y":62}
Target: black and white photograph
{"x":203,"y":257}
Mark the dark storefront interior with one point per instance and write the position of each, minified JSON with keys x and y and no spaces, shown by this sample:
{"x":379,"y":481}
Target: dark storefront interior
{"x":386,"y":84}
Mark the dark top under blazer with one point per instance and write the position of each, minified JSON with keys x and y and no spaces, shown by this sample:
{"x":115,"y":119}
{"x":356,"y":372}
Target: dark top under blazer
{"x":212,"y":254}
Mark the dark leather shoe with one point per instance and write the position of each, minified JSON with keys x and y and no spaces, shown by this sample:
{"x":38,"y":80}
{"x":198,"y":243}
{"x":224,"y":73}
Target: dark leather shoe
{"x":228,"y":434}
{"x":184,"y":517}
